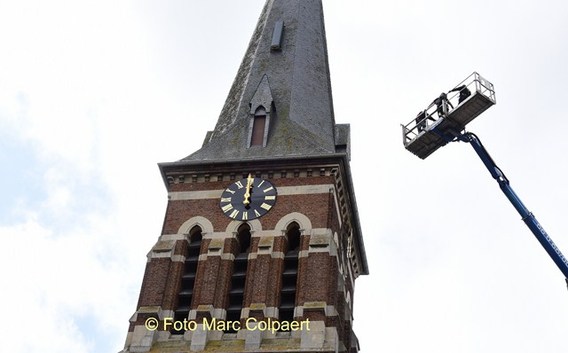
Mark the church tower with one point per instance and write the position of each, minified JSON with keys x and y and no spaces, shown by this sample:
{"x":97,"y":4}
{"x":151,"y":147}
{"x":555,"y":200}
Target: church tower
{"x":261,"y":242}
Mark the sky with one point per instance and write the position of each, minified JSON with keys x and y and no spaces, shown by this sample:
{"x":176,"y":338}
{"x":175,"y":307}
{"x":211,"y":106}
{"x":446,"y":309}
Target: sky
{"x":93,"y":94}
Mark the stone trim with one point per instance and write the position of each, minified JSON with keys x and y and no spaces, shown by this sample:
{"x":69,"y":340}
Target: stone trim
{"x":167,"y":237}
{"x":336,"y":203}
{"x":194,"y":195}
{"x":267,"y":311}
{"x":233,"y":227}
{"x":218,"y":313}
{"x":274,"y":255}
{"x":202,"y":222}
{"x":282,"y":190}
{"x":163,"y":249}
{"x":224,"y":256}
{"x":328,"y":310}
{"x":303,"y":221}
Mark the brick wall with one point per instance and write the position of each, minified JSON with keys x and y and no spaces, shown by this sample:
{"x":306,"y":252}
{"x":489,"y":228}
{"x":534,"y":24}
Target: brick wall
{"x":318,"y":271}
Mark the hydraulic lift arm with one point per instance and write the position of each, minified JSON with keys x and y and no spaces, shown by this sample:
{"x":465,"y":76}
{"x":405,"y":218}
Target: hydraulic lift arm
{"x":526,"y":215}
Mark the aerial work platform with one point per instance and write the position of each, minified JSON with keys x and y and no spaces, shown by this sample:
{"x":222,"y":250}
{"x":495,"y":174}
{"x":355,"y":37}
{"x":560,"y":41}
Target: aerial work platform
{"x":446,"y":117}
{"x":444,"y":122}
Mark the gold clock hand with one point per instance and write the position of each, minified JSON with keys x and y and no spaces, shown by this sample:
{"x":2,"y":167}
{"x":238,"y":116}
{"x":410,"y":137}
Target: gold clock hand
{"x":246,"y":200}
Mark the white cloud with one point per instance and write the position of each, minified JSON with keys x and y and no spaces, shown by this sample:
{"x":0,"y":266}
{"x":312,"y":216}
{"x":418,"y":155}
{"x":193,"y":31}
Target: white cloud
{"x":36,"y":292}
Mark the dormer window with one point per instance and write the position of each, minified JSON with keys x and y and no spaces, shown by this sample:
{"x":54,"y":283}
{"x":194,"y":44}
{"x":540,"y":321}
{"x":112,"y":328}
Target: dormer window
{"x":261,"y":108}
{"x":258,"y":127}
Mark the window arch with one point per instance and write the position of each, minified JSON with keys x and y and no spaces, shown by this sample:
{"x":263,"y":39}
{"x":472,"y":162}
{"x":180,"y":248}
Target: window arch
{"x":294,"y":217}
{"x":243,"y":238}
{"x":185,"y":294}
{"x":290,"y":273}
{"x":238,"y":278}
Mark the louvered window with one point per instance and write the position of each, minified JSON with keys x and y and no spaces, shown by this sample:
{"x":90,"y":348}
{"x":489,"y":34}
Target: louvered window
{"x":290,"y":274}
{"x":239,"y":276}
{"x":188,"y":278}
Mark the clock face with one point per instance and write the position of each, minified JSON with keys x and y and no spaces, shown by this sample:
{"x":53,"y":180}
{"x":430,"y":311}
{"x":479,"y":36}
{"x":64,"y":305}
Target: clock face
{"x":248,"y":198}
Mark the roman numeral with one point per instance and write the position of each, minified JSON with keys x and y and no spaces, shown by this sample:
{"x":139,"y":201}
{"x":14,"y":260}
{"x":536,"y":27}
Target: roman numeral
{"x":270,"y":197}
{"x":262,"y":182}
{"x":231,"y":191}
{"x":239,"y":184}
{"x":234,"y":214}
{"x":268,"y":189}
{"x":265,"y":206}
{"x":245,"y":216}
{"x":225,"y":199}
{"x":227,"y":208}
{"x":256,"y":213}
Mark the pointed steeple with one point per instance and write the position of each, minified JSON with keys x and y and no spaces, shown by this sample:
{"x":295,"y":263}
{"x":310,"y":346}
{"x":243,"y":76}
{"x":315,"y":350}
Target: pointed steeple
{"x":284,"y":76}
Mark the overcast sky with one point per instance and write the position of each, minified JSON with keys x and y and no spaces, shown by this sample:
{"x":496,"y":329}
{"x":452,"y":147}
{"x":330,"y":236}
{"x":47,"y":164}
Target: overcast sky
{"x":93,"y":94}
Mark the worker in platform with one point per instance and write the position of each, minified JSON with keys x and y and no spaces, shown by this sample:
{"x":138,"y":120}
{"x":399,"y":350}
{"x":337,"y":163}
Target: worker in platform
{"x":442,"y":104}
{"x":464,"y":93}
{"x":421,"y":120}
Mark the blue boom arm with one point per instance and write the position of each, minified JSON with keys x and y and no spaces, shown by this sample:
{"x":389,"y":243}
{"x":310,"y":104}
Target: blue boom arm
{"x":526,"y":215}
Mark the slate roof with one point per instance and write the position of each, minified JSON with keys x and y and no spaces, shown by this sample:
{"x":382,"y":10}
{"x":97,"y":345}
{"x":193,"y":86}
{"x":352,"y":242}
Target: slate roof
{"x":293,"y":85}
{"x":295,"y":78}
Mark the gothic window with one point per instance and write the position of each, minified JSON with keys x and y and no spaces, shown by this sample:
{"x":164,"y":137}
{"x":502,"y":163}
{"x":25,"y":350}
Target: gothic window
{"x":238,"y":278}
{"x":290,"y":273}
{"x":188,"y":278}
{"x":258,"y":127}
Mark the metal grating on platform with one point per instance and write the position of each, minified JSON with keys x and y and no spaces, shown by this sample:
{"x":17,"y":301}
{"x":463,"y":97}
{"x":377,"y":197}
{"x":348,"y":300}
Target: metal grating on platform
{"x":470,"y":109}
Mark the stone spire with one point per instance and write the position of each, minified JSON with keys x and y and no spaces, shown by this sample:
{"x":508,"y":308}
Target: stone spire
{"x":284,"y":77}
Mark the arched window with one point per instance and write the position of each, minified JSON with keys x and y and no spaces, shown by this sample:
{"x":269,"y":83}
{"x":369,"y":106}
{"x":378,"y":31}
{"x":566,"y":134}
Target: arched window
{"x":188,"y":278}
{"x":258,"y":127}
{"x":290,"y":273}
{"x":238,"y":278}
